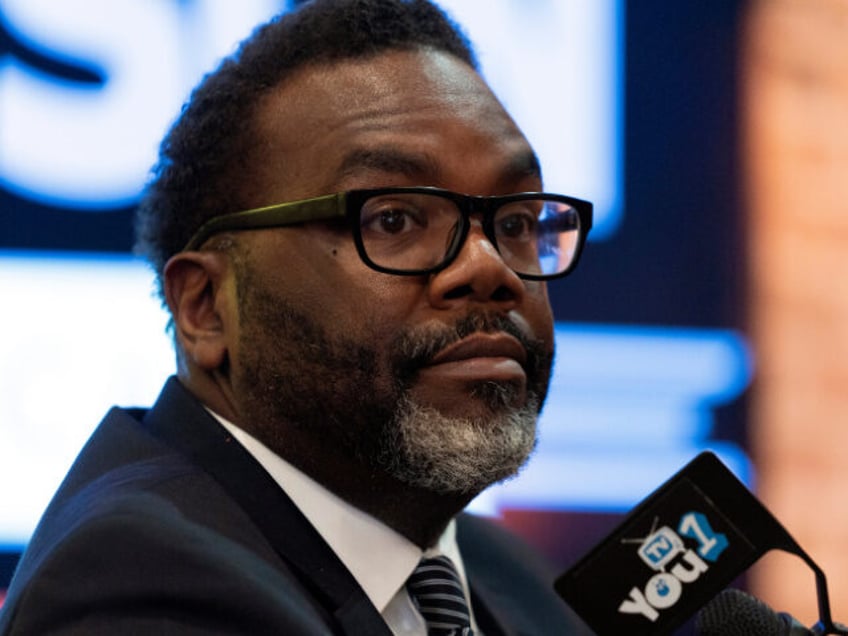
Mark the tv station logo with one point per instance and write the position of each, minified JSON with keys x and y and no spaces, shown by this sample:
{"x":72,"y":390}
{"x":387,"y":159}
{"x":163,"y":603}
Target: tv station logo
{"x":675,"y":565}
{"x":673,"y":553}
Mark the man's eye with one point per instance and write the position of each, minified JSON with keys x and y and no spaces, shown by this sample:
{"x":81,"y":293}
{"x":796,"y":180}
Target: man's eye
{"x":517,"y":225}
{"x":394,"y":220}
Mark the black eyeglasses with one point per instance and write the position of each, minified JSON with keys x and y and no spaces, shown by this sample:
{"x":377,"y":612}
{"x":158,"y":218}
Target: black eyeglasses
{"x":414,"y":231}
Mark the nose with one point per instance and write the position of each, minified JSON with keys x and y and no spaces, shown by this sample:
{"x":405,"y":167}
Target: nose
{"x":478,"y":274}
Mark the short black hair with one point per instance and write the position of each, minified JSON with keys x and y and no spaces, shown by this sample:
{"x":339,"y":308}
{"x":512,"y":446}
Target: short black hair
{"x":201,"y":159}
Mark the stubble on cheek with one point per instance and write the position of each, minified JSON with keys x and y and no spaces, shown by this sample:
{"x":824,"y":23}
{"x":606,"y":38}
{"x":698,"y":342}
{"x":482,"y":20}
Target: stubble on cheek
{"x":295,"y":379}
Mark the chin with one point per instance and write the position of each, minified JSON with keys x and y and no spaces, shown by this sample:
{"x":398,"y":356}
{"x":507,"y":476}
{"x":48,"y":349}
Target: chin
{"x":460,"y":453}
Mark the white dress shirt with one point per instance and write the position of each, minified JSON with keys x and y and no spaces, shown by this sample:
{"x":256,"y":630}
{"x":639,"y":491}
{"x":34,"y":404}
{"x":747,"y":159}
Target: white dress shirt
{"x":380,"y":559}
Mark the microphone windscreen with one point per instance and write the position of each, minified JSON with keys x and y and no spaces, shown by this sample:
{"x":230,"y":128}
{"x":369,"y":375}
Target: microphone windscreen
{"x":735,"y":613}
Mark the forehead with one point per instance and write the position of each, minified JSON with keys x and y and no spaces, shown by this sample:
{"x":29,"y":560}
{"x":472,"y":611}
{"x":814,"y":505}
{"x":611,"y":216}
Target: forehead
{"x":402,"y":117}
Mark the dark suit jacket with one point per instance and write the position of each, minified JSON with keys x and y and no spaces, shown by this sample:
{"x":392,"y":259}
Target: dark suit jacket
{"x":166,"y":525}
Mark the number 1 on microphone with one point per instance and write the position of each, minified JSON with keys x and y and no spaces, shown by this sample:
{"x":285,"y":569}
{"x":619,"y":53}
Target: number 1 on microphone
{"x":695,"y":525}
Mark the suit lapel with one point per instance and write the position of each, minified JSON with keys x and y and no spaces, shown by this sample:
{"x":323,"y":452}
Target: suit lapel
{"x":179,"y":420}
{"x":490,"y":609}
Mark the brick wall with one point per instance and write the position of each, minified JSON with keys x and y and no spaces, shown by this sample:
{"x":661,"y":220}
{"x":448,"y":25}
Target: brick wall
{"x":795,"y":87}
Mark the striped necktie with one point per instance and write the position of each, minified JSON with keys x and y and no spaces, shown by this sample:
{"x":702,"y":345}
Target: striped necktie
{"x":437,"y":591}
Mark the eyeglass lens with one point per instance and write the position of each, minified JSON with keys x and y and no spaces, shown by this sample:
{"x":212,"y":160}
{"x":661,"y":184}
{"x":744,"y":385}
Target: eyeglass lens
{"x":415,"y":231}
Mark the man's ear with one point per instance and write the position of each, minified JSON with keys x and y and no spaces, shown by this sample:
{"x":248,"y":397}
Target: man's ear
{"x":194,"y":284}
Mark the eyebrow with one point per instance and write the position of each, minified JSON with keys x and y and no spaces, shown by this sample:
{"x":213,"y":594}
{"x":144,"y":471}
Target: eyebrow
{"x":418,"y":166}
{"x":522,"y":166}
{"x":388,"y":160}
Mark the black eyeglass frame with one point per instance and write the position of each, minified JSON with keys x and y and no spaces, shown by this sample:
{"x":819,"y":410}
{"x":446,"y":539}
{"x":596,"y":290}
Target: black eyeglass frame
{"x":349,"y":205}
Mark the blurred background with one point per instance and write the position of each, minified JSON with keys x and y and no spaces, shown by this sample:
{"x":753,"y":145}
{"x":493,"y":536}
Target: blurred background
{"x":710,"y":310}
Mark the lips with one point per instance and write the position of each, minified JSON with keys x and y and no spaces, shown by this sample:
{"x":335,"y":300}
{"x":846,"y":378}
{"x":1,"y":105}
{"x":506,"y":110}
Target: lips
{"x":485,"y":368}
{"x":482,"y":345}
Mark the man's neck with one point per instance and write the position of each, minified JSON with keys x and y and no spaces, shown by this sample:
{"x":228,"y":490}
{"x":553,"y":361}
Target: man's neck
{"x":418,"y":514}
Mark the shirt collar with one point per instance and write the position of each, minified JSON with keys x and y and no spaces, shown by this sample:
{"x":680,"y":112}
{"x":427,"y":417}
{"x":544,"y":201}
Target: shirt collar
{"x":379,"y":558}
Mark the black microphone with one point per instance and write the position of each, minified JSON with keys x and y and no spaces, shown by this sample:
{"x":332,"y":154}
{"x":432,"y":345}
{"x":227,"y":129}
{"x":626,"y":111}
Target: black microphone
{"x":735,"y":613}
{"x":676,"y":551}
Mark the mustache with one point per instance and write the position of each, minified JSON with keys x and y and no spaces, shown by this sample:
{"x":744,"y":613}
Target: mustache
{"x":414,"y":350}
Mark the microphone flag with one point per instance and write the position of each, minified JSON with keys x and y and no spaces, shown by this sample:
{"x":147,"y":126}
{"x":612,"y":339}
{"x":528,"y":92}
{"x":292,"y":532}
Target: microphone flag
{"x":675,"y":551}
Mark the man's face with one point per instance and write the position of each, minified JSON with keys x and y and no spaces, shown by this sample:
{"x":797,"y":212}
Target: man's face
{"x":434,"y":379}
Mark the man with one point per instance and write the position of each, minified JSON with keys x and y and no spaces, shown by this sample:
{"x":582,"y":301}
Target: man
{"x":353,"y":368}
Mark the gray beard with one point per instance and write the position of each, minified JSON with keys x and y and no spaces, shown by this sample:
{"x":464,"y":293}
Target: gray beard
{"x":426,"y":449}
